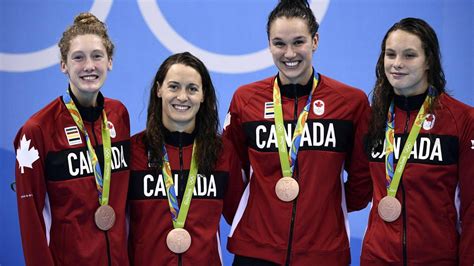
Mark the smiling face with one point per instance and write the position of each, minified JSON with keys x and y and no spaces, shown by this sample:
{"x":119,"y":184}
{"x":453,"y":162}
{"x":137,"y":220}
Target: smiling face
{"x":86,"y":65}
{"x":181,"y":94}
{"x":292,"y":47}
{"x":405,"y":63}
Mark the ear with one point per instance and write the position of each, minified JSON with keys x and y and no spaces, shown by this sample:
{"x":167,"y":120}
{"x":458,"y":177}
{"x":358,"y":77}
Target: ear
{"x":315,"y":42}
{"x":109,"y":65}
{"x":63,"y":67}
{"x":158,"y":90}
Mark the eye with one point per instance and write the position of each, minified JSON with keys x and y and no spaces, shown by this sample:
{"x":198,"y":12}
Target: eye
{"x":77,"y":57}
{"x":98,"y":56}
{"x":298,"y":42}
{"x":411,"y":55}
{"x":173,"y":87}
{"x":278,"y":44}
{"x":193,"y":89}
{"x":390,"y":55}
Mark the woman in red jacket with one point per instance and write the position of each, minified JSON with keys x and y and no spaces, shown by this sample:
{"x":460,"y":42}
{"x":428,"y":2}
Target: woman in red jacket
{"x":295,"y":133}
{"x":420,"y":145}
{"x":183,"y":177}
{"x":72,"y":161}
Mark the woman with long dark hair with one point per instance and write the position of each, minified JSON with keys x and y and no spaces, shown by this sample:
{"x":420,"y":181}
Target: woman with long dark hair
{"x":421,"y":152}
{"x":183,"y":176}
{"x":294,"y":210}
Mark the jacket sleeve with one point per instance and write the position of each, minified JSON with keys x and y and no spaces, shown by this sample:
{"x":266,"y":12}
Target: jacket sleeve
{"x":466,"y":186}
{"x":234,"y":141}
{"x":235,"y":183}
{"x":234,"y":132}
{"x":33,"y":205}
{"x":358,"y":187}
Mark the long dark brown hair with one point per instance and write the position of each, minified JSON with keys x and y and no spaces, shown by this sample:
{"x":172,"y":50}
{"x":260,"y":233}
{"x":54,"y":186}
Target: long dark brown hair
{"x":208,"y":141}
{"x":294,"y":9}
{"x":383,"y":92}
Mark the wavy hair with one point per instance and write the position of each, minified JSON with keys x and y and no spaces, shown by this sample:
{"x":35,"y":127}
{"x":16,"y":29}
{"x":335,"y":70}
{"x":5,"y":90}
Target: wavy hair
{"x":208,"y":141}
{"x":85,"y":23}
{"x":383,"y":92}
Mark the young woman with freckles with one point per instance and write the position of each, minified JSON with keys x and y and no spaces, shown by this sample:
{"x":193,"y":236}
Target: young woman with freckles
{"x":72,"y":161}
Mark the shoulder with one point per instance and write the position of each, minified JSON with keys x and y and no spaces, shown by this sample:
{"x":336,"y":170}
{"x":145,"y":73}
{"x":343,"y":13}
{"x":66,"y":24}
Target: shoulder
{"x":47,"y":115}
{"x":247,"y":92}
{"x":138,"y":140}
{"x":41,"y":124}
{"x":341,"y":88}
{"x":459,"y":111}
{"x":115,"y":105}
{"x":117,"y":112}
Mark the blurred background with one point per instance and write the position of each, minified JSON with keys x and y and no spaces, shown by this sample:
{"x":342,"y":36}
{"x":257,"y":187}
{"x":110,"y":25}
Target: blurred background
{"x":228,"y":35}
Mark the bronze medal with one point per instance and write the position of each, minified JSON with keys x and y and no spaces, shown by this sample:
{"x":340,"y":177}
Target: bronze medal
{"x":287,"y":189}
{"x":104,"y":217}
{"x":389,"y":209}
{"x":178,"y":240}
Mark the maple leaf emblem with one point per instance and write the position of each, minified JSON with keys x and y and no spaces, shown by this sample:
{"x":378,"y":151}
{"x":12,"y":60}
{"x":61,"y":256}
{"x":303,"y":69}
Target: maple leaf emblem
{"x":26,"y":156}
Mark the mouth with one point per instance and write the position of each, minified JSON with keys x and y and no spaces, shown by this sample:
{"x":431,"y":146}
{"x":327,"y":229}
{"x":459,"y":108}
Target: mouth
{"x":397,"y":75}
{"x":180,"y":107}
{"x":90,"y":77}
{"x":291,"y":64}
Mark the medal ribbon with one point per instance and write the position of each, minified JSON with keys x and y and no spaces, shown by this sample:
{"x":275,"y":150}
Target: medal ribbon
{"x":288,"y":162}
{"x":102,"y":182}
{"x":178,"y":215}
{"x":393,"y":178}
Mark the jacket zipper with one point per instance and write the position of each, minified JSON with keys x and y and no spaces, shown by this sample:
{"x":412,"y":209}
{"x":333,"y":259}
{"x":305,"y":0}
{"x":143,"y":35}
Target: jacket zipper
{"x":181,"y":178}
{"x":404,"y":214}
{"x":293,"y":213}
{"x":108,"y":248}
{"x":109,"y":258}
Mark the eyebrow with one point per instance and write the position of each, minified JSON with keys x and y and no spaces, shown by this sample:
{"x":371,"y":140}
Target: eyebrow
{"x":176,"y":82}
{"x":293,"y":39}
{"x":84,"y":52}
{"x":405,"y":50}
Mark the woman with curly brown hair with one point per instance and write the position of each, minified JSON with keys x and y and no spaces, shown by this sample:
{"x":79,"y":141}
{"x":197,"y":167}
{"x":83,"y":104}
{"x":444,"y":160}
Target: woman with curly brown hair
{"x":420,"y":146}
{"x":183,"y":177}
{"x":72,"y":161}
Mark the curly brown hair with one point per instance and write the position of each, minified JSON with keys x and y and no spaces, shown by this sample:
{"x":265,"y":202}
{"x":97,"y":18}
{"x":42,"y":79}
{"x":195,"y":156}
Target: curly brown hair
{"x":85,"y":23}
{"x":383,"y":92}
{"x":208,"y":140}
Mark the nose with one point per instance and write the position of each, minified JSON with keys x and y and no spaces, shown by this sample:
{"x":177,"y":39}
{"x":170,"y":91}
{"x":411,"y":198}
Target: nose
{"x":290,"y":52}
{"x":398,"y":62}
{"x":182,"y":95}
{"x":89,"y":65}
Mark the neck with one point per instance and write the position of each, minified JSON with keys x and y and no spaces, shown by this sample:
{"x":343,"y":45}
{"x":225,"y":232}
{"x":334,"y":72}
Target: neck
{"x":179,"y":127}
{"x":420,"y":89}
{"x":85,"y":99}
{"x":301,"y":81}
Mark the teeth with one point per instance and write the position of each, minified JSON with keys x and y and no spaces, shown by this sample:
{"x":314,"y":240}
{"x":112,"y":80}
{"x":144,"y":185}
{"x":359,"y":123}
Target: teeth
{"x":291,"y":64}
{"x":181,"y":107}
{"x":89,"y":77}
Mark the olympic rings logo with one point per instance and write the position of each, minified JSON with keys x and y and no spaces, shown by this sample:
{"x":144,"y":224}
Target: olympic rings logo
{"x":164,"y":32}
{"x":47,"y":57}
